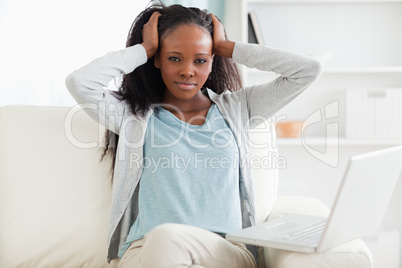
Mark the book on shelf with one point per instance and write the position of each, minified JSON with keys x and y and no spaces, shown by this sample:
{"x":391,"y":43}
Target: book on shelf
{"x":254,"y":29}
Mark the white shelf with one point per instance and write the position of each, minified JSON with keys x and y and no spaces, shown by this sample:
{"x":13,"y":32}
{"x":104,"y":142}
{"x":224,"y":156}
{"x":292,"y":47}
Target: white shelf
{"x":369,"y":70}
{"x":346,"y":70}
{"x":320,"y":1}
{"x":335,"y":141}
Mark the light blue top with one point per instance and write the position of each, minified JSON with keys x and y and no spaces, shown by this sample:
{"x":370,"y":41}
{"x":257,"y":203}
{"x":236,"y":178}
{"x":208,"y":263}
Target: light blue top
{"x":191,"y":175}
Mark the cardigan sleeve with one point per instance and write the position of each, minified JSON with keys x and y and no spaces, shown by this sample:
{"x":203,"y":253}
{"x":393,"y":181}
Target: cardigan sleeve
{"x":297,"y":72}
{"x":87,"y":84}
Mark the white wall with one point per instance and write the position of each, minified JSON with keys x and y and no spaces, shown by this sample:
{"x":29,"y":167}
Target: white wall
{"x":43,"y":41}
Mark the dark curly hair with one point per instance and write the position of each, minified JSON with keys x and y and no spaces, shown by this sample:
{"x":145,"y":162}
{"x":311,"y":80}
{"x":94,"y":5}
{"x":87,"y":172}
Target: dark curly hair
{"x":144,"y":86}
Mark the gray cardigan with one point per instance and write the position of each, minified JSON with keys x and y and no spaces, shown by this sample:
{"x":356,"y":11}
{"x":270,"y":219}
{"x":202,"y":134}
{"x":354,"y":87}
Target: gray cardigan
{"x":243,"y":110}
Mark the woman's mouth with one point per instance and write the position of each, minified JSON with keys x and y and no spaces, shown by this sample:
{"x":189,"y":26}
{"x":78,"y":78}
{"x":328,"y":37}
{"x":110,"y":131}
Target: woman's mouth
{"x":186,"y":85}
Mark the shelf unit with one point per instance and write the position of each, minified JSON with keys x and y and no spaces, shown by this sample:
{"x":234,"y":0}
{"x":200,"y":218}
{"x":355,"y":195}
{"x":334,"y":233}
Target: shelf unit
{"x":384,"y":71}
{"x":341,"y":141}
{"x":320,"y":27}
{"x":361,"y":70}
{"x":322,"y":1}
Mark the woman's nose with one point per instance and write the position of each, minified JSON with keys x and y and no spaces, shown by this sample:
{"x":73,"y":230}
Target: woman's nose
{"x":187,"y":70}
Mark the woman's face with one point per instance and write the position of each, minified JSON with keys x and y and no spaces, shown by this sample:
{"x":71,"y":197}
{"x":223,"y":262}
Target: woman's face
{"x":185,"y":61}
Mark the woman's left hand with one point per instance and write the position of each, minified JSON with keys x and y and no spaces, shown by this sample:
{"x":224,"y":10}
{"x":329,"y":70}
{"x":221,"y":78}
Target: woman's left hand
{"x":222,"y":47}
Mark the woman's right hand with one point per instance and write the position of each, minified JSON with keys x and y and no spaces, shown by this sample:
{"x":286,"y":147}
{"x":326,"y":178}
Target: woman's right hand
{"x":150,"y":35}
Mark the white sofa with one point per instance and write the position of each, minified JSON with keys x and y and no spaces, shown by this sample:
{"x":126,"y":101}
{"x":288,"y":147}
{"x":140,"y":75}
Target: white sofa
{"x":55,"y":196}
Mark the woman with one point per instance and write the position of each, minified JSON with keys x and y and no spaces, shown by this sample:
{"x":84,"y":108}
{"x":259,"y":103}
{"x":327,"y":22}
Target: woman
{"x":178,"y":136}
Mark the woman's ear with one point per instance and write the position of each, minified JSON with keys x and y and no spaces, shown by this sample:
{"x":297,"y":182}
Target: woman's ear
{"x":157,"y":63}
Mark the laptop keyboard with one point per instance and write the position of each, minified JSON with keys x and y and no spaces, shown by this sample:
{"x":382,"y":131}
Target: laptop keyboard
{"x":310,"y":234}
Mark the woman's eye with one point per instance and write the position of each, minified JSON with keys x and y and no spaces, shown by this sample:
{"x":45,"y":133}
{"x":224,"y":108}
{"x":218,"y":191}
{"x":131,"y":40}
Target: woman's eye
{"x":201,"y":61}
{"x":174,"y":59}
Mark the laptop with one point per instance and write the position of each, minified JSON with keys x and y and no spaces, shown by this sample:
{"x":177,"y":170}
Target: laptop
{"x":358,"y":209}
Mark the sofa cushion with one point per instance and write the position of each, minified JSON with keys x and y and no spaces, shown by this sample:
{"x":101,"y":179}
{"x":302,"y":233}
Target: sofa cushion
{"x":54,"y":196}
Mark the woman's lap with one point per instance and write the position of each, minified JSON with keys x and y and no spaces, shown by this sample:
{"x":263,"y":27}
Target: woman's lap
{"x":178,"y":245}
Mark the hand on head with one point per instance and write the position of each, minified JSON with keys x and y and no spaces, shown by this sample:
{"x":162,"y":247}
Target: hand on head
{"x":222,"y":47}
{"x":150,"y":35}
{"x":219,"y":32}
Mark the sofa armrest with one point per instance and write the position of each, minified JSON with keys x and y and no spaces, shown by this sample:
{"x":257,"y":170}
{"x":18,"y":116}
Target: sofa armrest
{"x":354,"y":253}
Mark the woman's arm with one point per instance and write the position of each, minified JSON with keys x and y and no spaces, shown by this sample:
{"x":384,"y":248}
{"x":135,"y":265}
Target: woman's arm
{"x":297,"y":71}
{"x":87,"y":84}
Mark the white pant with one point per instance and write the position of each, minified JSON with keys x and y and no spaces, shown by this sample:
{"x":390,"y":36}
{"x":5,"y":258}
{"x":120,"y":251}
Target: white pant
{"x":178,"y":245}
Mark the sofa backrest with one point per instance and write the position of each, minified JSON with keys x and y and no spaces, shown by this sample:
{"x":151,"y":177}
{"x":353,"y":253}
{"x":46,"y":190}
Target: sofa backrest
{"x":265,"y":163}
{"x":55,"y":194}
